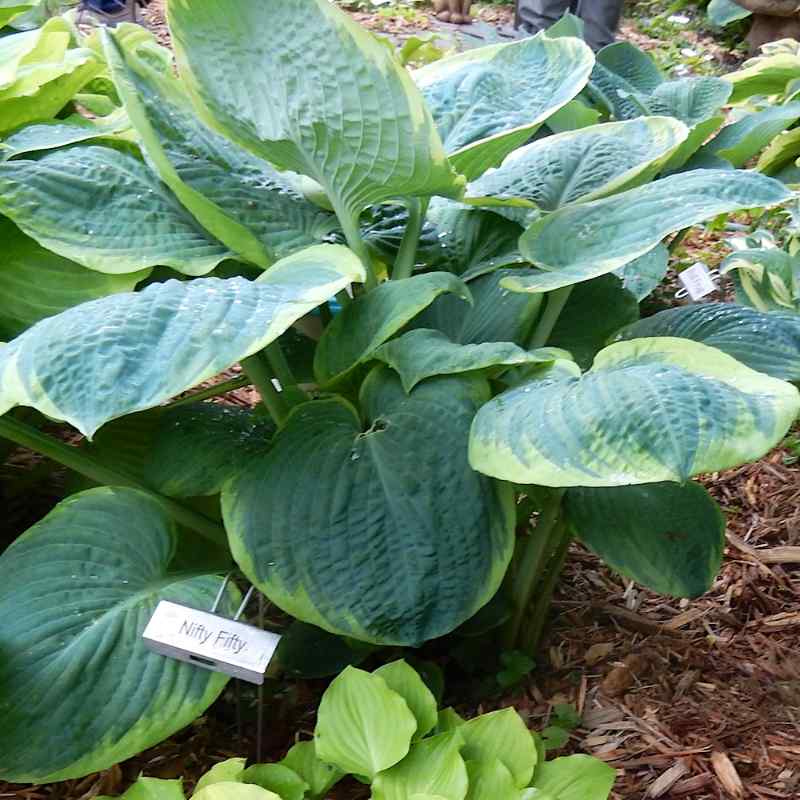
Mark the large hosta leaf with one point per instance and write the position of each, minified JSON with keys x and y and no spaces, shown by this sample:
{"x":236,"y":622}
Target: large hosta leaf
{"x":742,"y":140}
{"x":366,"y":323}
{"x":594,"y":311}
{"x":583,"y":164}
{"x":138,"y":350}
{"x":79,"y":691}
{"x":364,"y":140}
{"x":470,"y":241}
{"x":643,"y":274}
{"x":36,"y":283}
{"x":39,"y":74}
{"x":781,"y":152}
{"x":201,"y":445}
{"x":345,"y":573}
{"x":649,"y":410}
{"x":767,"y":75}
{"x":106,"y":210}
{"x":62,"y":133}
{"x":723,"y":12}
{"x":9,"y":9}
{"x":767,"y":280}
{"x":691,"y":100}
{"x":633,"y":65}
{"x":496,"y":314}
{"x":489,"y":100}
{"x":590,"y":239}
{"x":236,"y":196}
{"x":769,"y":343}
{"x":668,"y":537}
{"x":422,"y":353}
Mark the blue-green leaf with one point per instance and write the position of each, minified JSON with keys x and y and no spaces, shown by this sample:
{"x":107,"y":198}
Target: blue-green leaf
{"x":79,"y":691}
{"x":138,"y":350}
{"x":649,"y":410}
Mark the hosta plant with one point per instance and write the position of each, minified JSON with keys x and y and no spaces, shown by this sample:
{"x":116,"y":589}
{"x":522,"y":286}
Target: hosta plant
{"x":384,"y":728}
{"x":421,"y":283}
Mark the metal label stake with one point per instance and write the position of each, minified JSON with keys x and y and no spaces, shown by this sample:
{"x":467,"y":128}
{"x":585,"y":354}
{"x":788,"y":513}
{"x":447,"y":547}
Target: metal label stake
{"x":211,"y":641}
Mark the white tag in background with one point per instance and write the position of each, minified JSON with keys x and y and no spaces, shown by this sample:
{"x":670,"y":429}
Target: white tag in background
{"x":210,"y":641}
{"x":697,"y":281}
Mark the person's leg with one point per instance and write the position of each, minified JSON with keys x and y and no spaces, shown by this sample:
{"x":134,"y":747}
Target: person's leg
{"x":536,"y":15}
{"x":601,"y":18}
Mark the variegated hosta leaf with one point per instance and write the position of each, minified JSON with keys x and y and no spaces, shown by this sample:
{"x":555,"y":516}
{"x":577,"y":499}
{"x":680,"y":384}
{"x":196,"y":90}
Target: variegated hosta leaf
{"x":769,"y":343}
{"x":423,"y":353}
{"x":741,"y":140}
{"x":40,"y":91}
{"x":470,"y":241}
{"x":138,"y":350}
{"x":11,"y":9}
{"x":668,"y":537}
{"x":236,"y":196}
{"x":364,"y":140}
{"x":649,"y":410}
{"x":496,"y":314}
{"x":377,"y":557}
{"x":767,"y":75}
{"x":18,"y":49}
{"x":580,"y":165}
{"x":781,"y":152}
{"x":36,"y":283}
{"x":61,"y":133}
{"x":39,"y":73}
{"x":767,"y":280}
{"x":365,"y":324}
{"x":643,"y":274}
{"x":590,"y":239}
{"x":105,"y":210}
{"x":79,"y":691}
{"x":489,"y":100}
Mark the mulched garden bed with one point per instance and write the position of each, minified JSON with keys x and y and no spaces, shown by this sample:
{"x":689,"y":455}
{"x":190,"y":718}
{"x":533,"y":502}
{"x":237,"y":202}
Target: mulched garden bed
{"x":686,"y":699}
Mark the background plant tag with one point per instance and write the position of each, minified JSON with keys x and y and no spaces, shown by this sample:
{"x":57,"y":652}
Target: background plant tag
{"x":697,"y":281}
{"x":210,"y":641}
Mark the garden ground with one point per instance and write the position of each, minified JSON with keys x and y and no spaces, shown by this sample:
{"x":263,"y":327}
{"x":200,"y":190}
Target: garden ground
{"x":686,"y":699}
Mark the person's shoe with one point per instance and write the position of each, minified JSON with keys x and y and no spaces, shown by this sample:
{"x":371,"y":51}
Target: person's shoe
{"x":112,"y":12}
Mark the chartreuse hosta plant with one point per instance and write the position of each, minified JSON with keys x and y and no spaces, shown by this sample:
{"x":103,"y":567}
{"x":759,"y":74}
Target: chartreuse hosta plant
{"x":384,"y":728}
{"x":480,"y":265}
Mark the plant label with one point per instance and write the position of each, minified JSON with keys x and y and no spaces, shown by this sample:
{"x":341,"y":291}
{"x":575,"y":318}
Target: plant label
{"x":210,"y":641}
{"x":697,"y":281}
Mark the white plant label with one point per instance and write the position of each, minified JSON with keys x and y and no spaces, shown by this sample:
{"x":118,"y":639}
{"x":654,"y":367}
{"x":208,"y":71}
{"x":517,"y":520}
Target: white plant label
{"x":697,"y":281}
{"x":210,"y":641}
